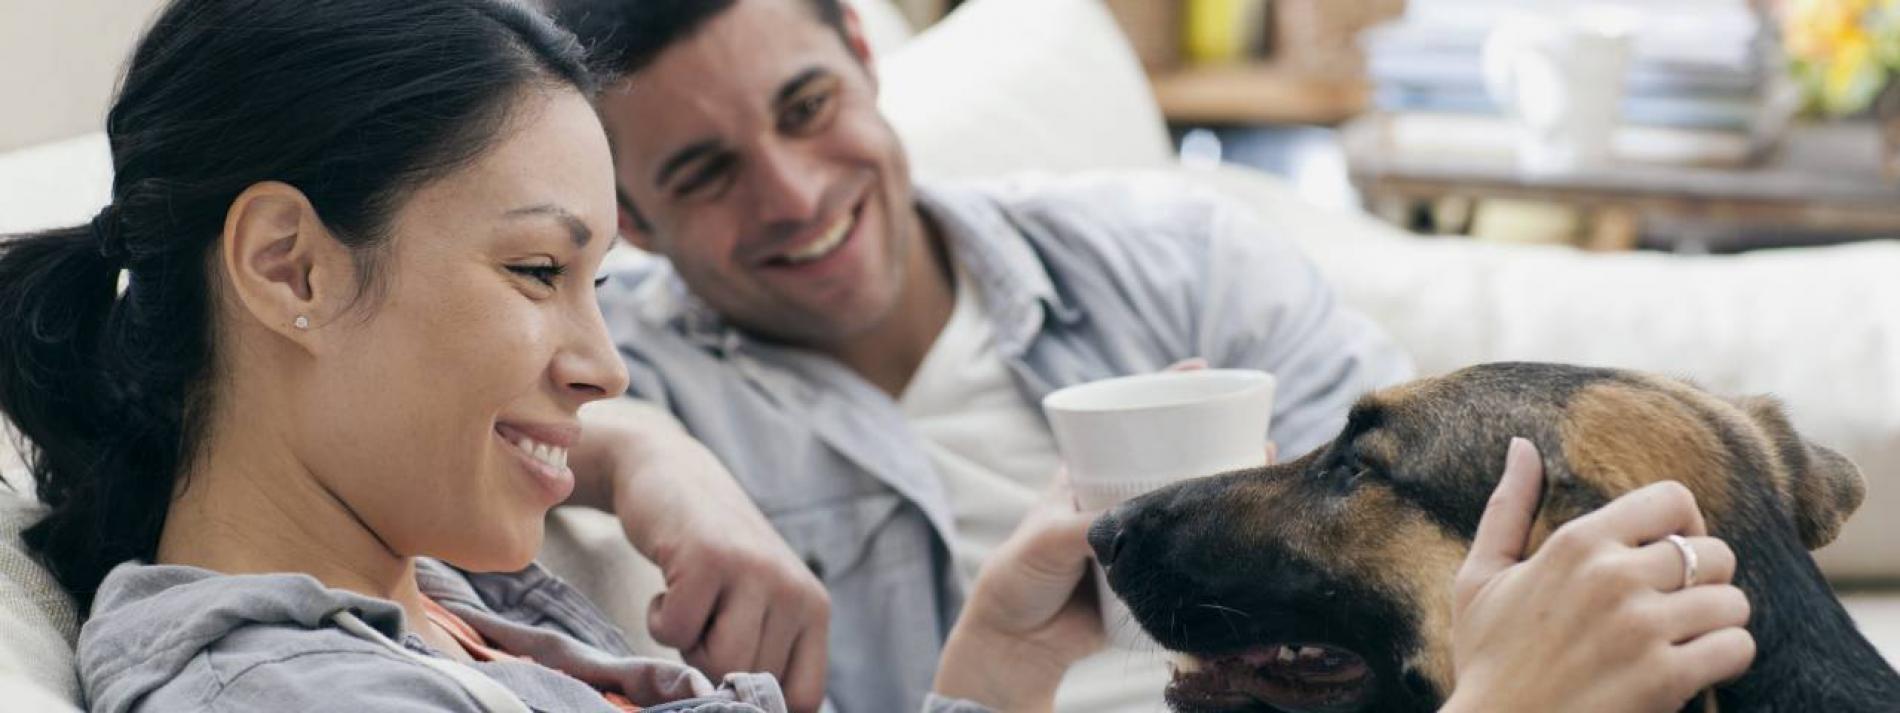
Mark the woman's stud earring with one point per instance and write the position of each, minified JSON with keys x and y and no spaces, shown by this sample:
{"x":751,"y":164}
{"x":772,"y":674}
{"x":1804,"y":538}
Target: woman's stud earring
{"x":301,"y":322}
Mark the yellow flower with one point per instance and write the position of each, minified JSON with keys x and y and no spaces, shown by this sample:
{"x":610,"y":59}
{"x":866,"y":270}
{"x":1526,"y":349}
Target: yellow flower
{"x":1853,"y":75}
{"x":1814,"y":29}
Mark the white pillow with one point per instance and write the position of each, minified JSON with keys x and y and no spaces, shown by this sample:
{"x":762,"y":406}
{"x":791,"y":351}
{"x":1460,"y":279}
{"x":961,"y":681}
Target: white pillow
{"x":54,"y":185}
{"x":884,"y":26}
{"x":1002,"y":86}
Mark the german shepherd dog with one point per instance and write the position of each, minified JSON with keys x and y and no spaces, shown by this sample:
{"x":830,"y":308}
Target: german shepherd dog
{"x":1324,"y":585}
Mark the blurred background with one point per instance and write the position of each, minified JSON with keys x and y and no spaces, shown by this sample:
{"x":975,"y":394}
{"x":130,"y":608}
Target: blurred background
{"x":1726,"y":125}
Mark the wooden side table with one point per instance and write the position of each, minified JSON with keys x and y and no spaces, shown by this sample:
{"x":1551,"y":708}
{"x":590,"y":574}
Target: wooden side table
{"x":1822,"y":184}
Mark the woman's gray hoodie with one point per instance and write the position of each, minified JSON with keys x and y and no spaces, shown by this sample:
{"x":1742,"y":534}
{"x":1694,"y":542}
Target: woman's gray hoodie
{"x":171,"y":638}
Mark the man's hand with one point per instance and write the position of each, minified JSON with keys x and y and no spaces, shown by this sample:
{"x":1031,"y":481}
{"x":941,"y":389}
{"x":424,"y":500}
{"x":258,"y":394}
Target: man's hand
{"x":737,"y":598}
{"x":1596,"y":620}
{"x":1029,"y":617}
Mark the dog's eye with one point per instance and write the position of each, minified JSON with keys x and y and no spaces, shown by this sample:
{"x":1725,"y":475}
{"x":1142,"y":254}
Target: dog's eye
{"x":1348,"y":473}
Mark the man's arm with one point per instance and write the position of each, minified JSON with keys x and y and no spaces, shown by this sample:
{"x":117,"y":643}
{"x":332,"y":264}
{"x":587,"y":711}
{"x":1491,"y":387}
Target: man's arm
{"x":1266,"y":306}
{"x":738,"y":598}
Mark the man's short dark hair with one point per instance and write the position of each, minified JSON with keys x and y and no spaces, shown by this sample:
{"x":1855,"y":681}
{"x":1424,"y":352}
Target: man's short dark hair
{"x":624,"y":36}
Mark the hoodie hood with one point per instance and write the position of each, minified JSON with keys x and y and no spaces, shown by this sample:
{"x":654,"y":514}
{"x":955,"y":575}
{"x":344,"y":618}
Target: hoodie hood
{"x":150,"y":621}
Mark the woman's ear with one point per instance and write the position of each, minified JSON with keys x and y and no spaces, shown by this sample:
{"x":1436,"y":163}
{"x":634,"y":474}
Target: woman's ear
{"x":284,"y":267}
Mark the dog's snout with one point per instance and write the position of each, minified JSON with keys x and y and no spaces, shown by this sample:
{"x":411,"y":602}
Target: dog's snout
{"x":1107,"y":536}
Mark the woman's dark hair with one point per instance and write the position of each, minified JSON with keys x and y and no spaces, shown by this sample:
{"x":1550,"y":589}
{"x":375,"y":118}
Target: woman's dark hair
{"x":354,"y":102}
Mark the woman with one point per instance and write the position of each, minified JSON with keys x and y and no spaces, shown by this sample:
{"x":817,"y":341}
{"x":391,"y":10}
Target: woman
{"x":301,"y":460}
{"x":360,"y":239}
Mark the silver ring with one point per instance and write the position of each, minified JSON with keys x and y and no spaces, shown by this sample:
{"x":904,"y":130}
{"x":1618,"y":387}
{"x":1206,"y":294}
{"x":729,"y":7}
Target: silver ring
{"x":1690,"y":561}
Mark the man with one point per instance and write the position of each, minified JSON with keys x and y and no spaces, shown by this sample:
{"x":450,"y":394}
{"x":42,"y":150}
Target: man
{"x":866,"y":357}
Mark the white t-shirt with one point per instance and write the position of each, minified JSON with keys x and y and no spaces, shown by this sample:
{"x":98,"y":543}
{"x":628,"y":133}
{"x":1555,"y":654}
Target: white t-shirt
{"x":996,"y":455}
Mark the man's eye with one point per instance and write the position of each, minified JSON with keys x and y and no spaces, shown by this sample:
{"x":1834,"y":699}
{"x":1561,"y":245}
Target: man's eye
{"x":715,"y":172}
{"x":804,"y":111}
{"x":544,"y":274}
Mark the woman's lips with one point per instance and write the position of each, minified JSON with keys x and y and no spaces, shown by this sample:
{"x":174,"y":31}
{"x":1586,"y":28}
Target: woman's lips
{"x":545,"y":462}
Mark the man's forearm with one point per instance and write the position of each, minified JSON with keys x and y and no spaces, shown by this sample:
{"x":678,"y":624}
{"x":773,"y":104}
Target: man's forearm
{"x":618,"y":438}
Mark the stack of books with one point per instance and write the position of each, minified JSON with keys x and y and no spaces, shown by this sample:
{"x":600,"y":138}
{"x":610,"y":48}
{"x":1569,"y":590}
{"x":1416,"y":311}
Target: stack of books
{"x":1705,"y":83}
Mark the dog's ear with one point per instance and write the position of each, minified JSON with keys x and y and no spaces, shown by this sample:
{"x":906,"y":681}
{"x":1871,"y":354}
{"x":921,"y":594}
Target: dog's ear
{"x":1821,"y":487}
{"x":1565,"y":497}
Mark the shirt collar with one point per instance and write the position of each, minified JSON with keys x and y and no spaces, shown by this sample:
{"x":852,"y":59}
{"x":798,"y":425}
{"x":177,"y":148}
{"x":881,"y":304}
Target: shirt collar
{"x":994,"y":250}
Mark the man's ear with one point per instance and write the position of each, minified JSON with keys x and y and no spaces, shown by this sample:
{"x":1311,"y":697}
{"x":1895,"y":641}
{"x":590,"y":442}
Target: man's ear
{"x":856,"y":41}
{"x":282,"y":263}
{"x":1822,"y":487}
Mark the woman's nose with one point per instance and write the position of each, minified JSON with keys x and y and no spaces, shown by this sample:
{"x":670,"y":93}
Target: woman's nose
{"x":590,"y":367}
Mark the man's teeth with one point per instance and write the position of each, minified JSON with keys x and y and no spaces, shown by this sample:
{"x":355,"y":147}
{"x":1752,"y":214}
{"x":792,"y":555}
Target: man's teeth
{"x":825,"y":243}
{"x":554,"y":456}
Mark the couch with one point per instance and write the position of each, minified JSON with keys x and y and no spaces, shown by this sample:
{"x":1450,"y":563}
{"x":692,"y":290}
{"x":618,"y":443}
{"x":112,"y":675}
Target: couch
{"x":1006,"y":86}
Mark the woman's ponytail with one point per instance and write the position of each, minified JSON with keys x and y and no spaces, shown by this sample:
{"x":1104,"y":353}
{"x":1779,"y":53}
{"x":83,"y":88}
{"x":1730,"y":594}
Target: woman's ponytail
{"x":91,"y":446}
{"x":56,"y":294}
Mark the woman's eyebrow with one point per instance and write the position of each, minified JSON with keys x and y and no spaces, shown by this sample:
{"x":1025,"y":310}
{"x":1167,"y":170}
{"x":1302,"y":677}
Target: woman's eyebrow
{"x":576,"y":227}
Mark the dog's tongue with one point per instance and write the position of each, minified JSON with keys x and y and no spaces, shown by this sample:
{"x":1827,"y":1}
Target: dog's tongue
{"x":1292,"y":678}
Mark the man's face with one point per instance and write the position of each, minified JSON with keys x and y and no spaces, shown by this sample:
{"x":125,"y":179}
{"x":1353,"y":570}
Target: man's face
{"x":755,"y":151}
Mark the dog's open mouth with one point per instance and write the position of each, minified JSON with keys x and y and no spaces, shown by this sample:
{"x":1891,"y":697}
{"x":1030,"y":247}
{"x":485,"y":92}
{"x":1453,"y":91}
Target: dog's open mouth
{"x":1289,"y":678}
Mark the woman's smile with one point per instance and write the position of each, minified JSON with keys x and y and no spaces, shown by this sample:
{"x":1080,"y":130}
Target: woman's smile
{"x":542,"y":452}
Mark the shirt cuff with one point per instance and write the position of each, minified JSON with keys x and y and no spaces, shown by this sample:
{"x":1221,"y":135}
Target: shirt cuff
{"x":934,"y":703}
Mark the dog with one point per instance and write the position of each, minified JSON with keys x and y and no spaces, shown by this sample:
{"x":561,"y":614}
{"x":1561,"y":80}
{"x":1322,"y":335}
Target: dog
{"x":1324,"y":585}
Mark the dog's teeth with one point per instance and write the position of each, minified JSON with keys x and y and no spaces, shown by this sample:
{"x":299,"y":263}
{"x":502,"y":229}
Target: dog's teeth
{"x":1311,"y":653}
{"x":1286,"y":654}
{"x":1185,"y":664}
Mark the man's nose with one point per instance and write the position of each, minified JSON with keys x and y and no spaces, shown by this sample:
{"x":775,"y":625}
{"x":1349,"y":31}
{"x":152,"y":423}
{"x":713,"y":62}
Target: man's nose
{"x":789,"y":188}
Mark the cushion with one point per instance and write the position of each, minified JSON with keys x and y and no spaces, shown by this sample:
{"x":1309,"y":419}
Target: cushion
{"x":883,"y":24}
{"x":54,"y":185}
{"x":38,"y":622}
{"x":1023,"y":85}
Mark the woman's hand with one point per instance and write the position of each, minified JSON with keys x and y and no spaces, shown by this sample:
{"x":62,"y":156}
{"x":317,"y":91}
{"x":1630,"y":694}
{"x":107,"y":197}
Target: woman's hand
{"x":1597,"y":619}
{"x":1029,"y":616}
{"x":737,"y":598}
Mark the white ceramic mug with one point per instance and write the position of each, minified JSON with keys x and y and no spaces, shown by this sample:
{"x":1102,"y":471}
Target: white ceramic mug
{"x":1124,"y":437}
{"x":1561,"y":76}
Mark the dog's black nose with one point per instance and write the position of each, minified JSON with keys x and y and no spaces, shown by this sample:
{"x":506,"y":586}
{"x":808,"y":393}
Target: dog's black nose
{"x":1106,"y":536}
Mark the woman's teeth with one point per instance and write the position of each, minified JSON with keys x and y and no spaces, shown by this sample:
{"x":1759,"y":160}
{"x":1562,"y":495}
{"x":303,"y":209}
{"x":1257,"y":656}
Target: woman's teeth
{"x":554,"y":456}
{"x":825,"y":243}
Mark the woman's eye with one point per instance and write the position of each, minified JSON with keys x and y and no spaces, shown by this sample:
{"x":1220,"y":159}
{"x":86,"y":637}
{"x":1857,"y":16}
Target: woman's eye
{"x":544,"y":274}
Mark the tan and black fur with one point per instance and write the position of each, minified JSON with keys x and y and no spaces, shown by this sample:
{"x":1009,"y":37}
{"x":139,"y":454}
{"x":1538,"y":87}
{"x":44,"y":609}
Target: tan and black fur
{"x":1356,"y":544}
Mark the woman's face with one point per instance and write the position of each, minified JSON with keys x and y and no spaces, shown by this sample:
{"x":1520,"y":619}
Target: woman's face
{"x":443,"y":413}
